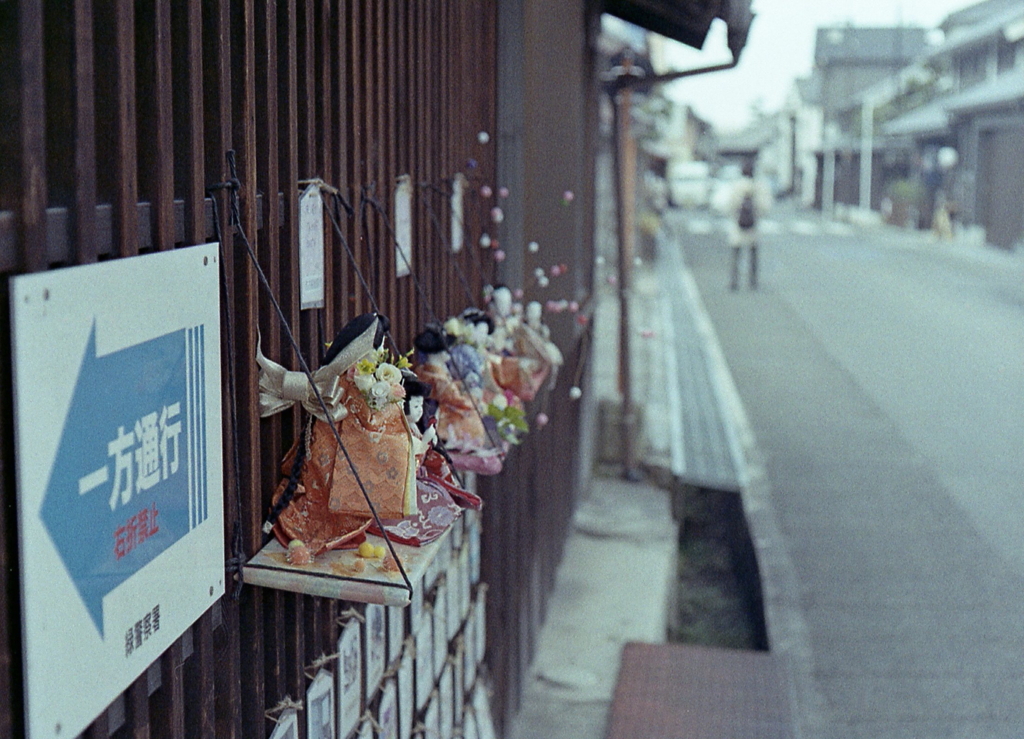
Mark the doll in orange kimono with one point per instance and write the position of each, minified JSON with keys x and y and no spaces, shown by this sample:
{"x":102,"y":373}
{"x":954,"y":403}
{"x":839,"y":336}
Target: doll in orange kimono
{"x":320,"y":501}
{"x":440,"y":498}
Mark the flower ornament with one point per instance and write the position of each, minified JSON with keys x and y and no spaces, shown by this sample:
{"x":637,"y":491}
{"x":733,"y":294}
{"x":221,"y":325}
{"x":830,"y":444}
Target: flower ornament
{"x":378,"y":378}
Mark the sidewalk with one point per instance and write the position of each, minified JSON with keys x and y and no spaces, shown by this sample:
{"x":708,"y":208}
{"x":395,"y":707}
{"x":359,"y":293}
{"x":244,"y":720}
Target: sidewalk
{"x":617,"y":576}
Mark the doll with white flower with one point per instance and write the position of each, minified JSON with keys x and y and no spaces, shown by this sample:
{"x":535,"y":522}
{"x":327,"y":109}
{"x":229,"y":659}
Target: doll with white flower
{"x":320,"y":502}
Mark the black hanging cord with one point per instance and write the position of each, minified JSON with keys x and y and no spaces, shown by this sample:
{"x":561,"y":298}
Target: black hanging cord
{"x":237,"y":560}
{"x":367,"y":200}
{"x":444,"y":241}
{"x":233,"y":186}
{"x":289,"y":490}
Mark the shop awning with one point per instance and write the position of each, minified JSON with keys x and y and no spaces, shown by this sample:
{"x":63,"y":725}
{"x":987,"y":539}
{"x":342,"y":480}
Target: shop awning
{"x":687,"y":21}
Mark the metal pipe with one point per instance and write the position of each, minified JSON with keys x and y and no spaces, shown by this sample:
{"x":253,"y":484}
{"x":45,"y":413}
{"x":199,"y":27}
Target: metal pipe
{"x":620,"y":89}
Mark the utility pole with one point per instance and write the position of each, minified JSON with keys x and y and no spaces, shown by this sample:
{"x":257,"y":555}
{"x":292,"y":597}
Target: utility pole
{"x":625,"y":207}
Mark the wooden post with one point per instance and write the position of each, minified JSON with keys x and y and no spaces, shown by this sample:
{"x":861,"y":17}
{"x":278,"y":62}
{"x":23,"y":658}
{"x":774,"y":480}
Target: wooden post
{"x":625,"y":194}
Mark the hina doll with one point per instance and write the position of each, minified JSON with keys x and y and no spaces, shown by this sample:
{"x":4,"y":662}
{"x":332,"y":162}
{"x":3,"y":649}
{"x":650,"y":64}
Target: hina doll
{"x":517,"y":368}
{"x":440,"y":499}
{"x":321,"y":502}
{"x":533,"y":339}
{"x":460,"y":412}
{"x":472,"y":356}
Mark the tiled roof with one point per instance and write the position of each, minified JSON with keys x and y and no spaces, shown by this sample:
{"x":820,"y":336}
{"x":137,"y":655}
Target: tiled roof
{"x":848,"y":44}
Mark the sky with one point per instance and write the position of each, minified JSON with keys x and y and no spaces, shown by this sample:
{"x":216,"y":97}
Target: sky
{"x":780,"y":48}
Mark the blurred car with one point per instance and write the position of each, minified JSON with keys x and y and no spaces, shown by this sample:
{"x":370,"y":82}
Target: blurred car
{"x":689,"y":184}
{"x":721,"y":188}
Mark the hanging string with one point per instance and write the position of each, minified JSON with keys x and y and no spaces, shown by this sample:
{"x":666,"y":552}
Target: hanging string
{"x":339,"y":202}
{"x":291,"y":486}
{"x":348,"y":614}
{"x":368,"y":199}
{"x":275,"y":714}
{"x":311,"y":670}
{"x":237,"y":561}
{"x":495,"y":443}
{"x":233,"y":186}
{"x":444,"y":241}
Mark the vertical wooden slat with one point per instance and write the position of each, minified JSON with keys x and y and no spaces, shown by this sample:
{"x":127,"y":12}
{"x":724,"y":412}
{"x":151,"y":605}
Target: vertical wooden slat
{"x":268,"y":179}
{"x":155,"y":135}
{"x":217,"y":93}
{"x":198,"y":677}
{"x":125,"y":193}
{"x":21,"y":77}
{"x":167,"y":705}
{"x":138,"y":708}
{"x":343,"y":276}
{"x":187,"y":108}
{"x":246,"y":287}
{"x":84,"y":243}
{"x":32,"y":125}
{"x":328,"y":115}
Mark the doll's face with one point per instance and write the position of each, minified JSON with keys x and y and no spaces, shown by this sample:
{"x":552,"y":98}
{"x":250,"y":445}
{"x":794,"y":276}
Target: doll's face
{"x":533,"y":312}
{"x":415,"y":409}
{"x":480,"y":333}
{"x":502,"y":299}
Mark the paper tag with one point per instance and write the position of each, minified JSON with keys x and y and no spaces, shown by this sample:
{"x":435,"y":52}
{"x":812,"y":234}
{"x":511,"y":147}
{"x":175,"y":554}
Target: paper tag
{"x":320,"y":707}
{"x":473,"y":532}
{"x":469,"y":660}
{"x":465,"y":583}
{"x":447,"y":701}
{"x":403,"y":226}
{"x":458,"y":212}
{"x":469,"y":730}
{"x":350,"y":683}
{"x":287,"y":726}
{"x":424,"y":660}
{"x":374,"y":638}
{"x":453,"y":611}
{"x":396,"y":632}
{"x":387,"y":711}
{"x":482,"y":709}
{"x":311,"y":248}
{"x":406,"y":697}
{"x":440,"y":628}
{"x":480,"y":628}
{"x":432,"y":719}
{"x":459,"y":680}
{"x":416,"y":606}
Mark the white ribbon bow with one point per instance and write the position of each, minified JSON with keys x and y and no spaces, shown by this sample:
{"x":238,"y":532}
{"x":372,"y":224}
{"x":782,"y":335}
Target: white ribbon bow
{"x":280,"y":388}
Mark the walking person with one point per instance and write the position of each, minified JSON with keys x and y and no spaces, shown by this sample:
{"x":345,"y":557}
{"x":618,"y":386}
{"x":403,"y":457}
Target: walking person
{"x":748,"y":202}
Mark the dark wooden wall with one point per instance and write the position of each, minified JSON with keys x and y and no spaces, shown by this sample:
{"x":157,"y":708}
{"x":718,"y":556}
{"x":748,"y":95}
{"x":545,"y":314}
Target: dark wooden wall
{"x":115,"y":118}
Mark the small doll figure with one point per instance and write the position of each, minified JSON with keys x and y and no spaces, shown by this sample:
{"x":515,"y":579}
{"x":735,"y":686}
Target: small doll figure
{"x":320,"y":502}
{"x":520,"y":367}
{"x":504,"y":407}
{"x":440,"y":499}
{"x":533,"y":339}
{"x":460,"y":415}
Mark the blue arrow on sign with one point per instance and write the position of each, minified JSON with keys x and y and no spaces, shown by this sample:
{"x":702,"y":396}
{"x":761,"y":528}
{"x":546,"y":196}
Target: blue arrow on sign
{"x":129,"y":477}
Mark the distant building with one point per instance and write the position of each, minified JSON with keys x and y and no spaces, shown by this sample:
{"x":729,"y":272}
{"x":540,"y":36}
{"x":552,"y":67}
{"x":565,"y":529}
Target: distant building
{"x":847,"y":61}
{"x":978,"y":111}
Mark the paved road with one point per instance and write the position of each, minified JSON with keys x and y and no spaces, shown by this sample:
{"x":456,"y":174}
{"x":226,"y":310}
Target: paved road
{"x":883,"y":376}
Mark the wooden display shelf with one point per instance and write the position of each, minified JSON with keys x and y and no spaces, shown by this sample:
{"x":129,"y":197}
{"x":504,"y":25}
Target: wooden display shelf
{"x":344,"y":575}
